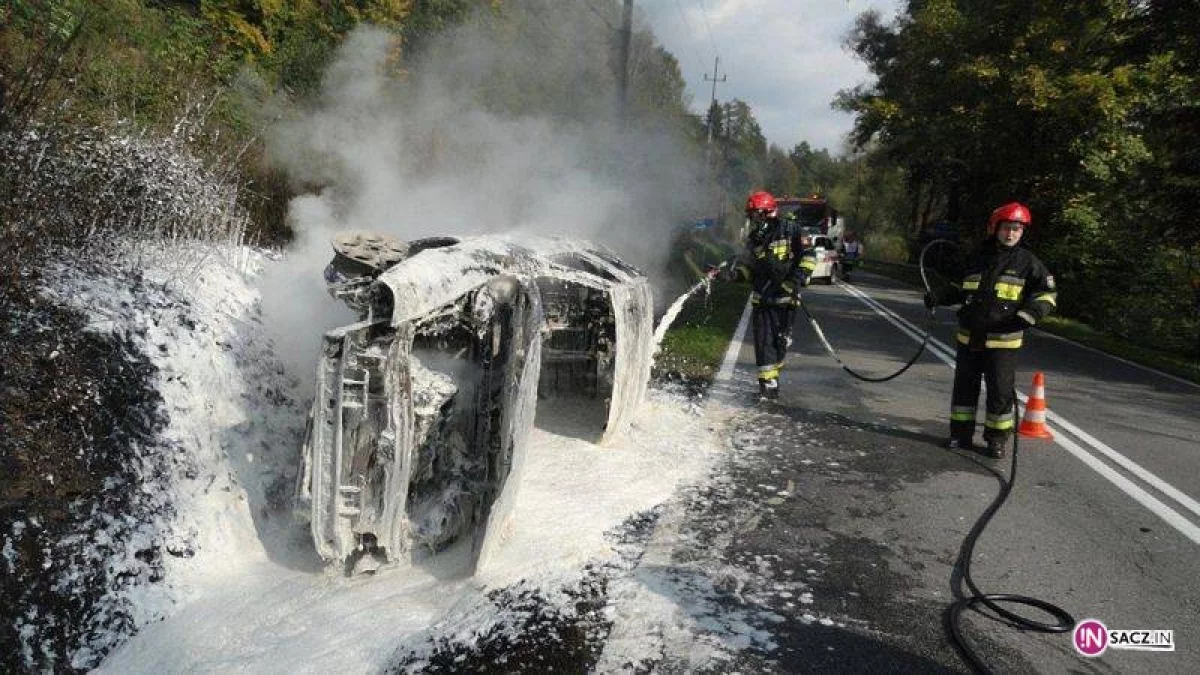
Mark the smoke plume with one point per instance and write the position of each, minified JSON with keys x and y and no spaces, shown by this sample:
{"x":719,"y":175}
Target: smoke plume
{"x":508,"y":124}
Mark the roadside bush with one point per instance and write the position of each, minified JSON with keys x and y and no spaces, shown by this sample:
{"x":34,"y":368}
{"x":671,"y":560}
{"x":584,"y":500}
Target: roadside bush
{"x":74,"y":189}
{"x":1141,"y":295}
{"x":887,"y":247}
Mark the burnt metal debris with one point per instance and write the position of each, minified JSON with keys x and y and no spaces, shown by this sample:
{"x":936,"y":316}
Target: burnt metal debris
{"x":424,"y":406}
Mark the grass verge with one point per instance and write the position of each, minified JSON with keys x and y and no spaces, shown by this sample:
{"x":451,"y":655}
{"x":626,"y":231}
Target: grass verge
{"x":1167,"y":362}
{"x":695,"y":344}
{"x":1180,"y":366}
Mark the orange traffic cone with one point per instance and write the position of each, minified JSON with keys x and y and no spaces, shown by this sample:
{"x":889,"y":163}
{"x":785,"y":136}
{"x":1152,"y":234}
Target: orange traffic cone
{"x":1033,"y":424}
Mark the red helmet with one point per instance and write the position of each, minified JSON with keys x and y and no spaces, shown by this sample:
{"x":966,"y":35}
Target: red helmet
{"x":1013,"y":211}
{"x":760,"y":201}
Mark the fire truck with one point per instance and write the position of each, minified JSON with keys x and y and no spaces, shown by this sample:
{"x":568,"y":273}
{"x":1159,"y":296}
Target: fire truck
{"x":814,"y":214}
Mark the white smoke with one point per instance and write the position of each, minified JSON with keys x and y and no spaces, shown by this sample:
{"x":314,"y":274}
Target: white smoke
{"x":507,"y":124}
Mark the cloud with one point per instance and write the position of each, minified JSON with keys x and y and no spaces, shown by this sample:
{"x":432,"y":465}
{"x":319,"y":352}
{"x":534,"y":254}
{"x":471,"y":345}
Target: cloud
{"x":783,"y":58}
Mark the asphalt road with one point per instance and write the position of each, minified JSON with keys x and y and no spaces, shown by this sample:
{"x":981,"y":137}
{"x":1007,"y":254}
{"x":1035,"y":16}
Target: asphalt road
{"x":831,"y":537}
{"x":1103,"y":521}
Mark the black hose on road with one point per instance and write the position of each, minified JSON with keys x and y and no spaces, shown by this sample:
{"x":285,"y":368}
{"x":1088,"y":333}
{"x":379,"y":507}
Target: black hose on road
{"x":924,"y":340}
{"x":867,"y":378}
{"x":1064,"y":622}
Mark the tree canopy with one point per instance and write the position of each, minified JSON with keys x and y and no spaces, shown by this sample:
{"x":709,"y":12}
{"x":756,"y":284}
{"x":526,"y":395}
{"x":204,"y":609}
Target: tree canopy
{"x":1087,"y":111}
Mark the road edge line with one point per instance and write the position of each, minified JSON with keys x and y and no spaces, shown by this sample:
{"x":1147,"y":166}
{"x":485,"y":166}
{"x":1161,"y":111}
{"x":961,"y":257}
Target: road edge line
{"x":1067,"y":427}
{"x":735,"y":346}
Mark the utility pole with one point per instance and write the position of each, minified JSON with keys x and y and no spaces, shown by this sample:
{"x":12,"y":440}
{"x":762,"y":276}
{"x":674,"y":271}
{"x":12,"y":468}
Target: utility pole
{"x":708,"y":143}
{"x":623,"y":67}
{"x":714,"y":79}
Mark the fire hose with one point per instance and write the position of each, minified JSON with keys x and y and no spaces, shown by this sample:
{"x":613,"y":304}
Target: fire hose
{"x":924,"y":340}
{"x":1063,"y":621}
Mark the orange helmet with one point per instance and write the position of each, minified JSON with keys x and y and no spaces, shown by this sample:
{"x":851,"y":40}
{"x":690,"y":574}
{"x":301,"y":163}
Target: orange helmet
{"x":761,"y":201}
{"x":1012,"y":212}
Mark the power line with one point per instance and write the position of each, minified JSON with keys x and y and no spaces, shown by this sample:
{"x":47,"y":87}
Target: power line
{"x":687,"y":24}
{"x":711,"y":121}
{"x":704,"y":13}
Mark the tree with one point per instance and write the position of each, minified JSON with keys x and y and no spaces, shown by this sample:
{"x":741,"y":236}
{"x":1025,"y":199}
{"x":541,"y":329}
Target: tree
{"x":819,"y":172}
{"x":743,"y":148}
{"x":1087,"y":111}
{"x":782,"y":176}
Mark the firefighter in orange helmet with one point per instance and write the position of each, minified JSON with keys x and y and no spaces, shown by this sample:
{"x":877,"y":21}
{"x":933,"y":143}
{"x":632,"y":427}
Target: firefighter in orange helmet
{"x":1004,"y":290}
{"x":777,"y":266}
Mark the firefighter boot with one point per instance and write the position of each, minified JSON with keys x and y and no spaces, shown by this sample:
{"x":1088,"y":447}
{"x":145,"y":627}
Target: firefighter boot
{"x":768,"y":389}
{"x":963,"y":442}
{"x":995,"y":447}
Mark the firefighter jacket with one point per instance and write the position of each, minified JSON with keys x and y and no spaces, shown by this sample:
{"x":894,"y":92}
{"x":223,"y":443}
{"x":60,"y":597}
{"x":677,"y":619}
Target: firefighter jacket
{"x":776,"y":265}
{"x":1004,"y":290}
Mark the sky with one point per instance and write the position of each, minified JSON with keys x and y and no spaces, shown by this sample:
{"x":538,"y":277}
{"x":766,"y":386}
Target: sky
{"x":784,"y":58}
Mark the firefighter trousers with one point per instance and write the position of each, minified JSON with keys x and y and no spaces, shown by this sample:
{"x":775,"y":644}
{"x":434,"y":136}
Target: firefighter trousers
{"x":997,"y":367}
{"x":772,"y":326}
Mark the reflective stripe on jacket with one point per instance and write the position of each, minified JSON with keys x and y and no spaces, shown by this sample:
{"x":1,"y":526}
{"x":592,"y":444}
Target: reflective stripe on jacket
{"x":776,"y":267}
{"x":1003,"y":291}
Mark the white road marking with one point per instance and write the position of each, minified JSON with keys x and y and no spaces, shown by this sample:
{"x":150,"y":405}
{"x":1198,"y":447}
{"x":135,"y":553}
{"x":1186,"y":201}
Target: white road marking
{"x":724,"y":387}
{"x":1171,"y":516}
{"x":735,"y":346}
{"x":1159,"y":484}
{"x":1168,"y":514}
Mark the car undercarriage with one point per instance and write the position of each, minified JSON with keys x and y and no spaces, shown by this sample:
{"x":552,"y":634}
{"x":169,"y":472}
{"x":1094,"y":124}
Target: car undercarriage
{"x":424,"y":407}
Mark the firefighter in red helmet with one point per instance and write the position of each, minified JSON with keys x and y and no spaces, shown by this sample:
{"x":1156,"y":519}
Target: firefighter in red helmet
{"x":777,"y":266}
{"x":1004,"y":290}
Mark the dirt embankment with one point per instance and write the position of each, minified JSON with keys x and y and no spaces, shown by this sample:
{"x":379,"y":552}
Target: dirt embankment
{"x":79,"y":415}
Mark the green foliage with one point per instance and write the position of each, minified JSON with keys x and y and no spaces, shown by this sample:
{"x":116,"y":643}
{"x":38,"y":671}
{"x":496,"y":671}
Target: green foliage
{"x":144,"y":59}
{"x":656,"y":81}
{"x":431,"y":17}
{"x":91,"y":61}
{"x":782,"y":174}
{"x":36,"y":37}
{"x":147,"y":63}
{"x":738,"y":152}
{"x":887,"y":247}
{"x":1089,"y":112}
{"x":819,"y":171}
{"x":695,"y":344}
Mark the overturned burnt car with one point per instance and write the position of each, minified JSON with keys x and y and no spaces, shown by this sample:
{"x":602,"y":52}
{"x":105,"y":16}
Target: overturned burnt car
{"x":424,"y":406}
